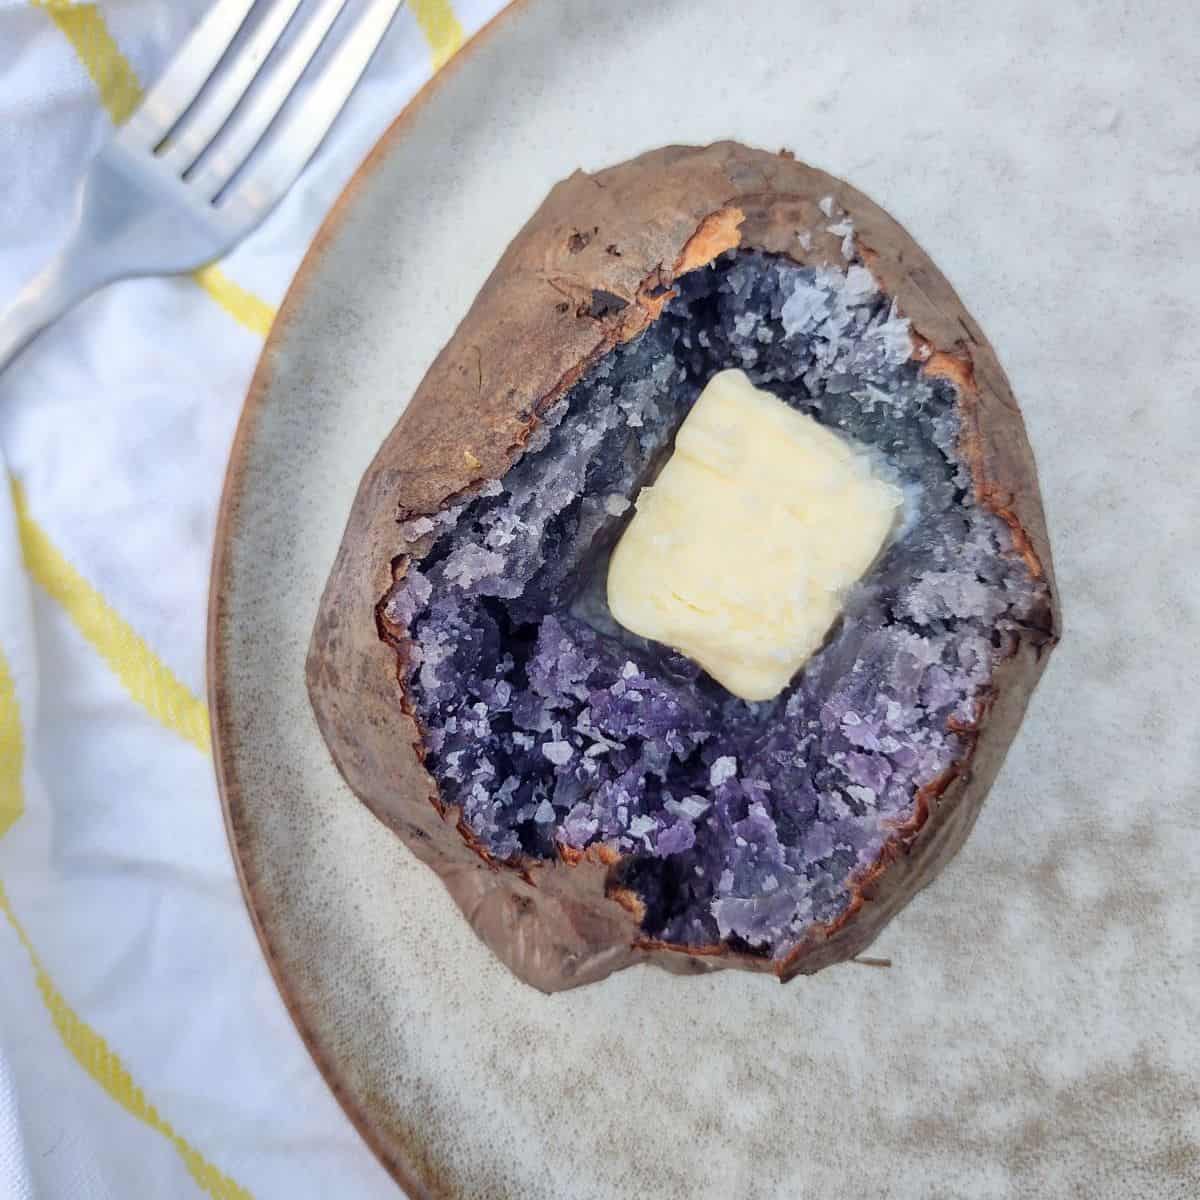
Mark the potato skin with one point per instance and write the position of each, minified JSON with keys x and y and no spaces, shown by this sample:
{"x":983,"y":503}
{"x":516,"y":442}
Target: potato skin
{"x":592,"y":268}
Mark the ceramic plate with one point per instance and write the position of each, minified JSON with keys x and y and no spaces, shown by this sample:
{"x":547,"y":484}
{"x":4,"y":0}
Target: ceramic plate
{"x":1033,"y":1036}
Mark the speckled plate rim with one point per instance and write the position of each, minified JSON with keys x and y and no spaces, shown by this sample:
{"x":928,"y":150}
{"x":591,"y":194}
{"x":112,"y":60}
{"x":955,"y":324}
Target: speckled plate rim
{"x":229,"y":518}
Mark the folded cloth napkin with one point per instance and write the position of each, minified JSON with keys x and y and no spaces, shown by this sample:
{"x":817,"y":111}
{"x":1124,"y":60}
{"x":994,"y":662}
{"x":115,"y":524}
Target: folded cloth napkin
{"x":144,"y":1050}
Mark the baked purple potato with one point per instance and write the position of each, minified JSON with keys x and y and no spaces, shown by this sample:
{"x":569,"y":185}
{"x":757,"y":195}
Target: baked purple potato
{"x":590,"y":798}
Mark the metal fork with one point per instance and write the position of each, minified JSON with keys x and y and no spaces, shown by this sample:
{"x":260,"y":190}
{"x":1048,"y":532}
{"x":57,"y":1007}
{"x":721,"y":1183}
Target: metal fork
{"x":205,"y":157}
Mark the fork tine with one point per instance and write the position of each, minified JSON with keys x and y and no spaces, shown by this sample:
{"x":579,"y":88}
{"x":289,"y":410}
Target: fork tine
{"x":261,"y":108}
{"x":294,"y":141}
{"x":181,"y":82}
{"x":220,"y":97}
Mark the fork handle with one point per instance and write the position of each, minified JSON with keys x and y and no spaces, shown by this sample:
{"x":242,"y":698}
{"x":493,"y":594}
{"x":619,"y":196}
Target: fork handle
{"x":65,"y":281}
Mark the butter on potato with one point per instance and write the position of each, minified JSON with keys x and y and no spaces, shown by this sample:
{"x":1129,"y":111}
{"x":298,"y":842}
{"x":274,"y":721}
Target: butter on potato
{"x":740,"y":553}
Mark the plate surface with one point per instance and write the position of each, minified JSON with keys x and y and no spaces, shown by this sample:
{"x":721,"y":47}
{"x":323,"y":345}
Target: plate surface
{"x":1036,"y":1033}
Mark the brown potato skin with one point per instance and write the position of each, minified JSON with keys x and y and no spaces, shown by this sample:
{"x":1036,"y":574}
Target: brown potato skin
{"x":594,"y":267}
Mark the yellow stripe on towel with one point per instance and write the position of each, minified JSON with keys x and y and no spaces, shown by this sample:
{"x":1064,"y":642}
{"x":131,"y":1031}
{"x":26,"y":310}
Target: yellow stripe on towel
{"x":92,"y":1053}
{"x":86,"y":1046}
{"x":83,"y":26}
{"x":120,"y":93}
{"x":12,"y":752}
{"x":143,"y":674}
{"x":441,"y":28}
{"x":244,"y":307}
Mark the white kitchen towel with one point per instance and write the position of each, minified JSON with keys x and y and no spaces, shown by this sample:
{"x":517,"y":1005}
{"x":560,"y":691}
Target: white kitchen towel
{"x":15,"y":1181}
{"x":144,"y":1050}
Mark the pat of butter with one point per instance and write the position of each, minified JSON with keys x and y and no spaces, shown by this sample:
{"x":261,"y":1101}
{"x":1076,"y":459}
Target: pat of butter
{"x":739,"y":554}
